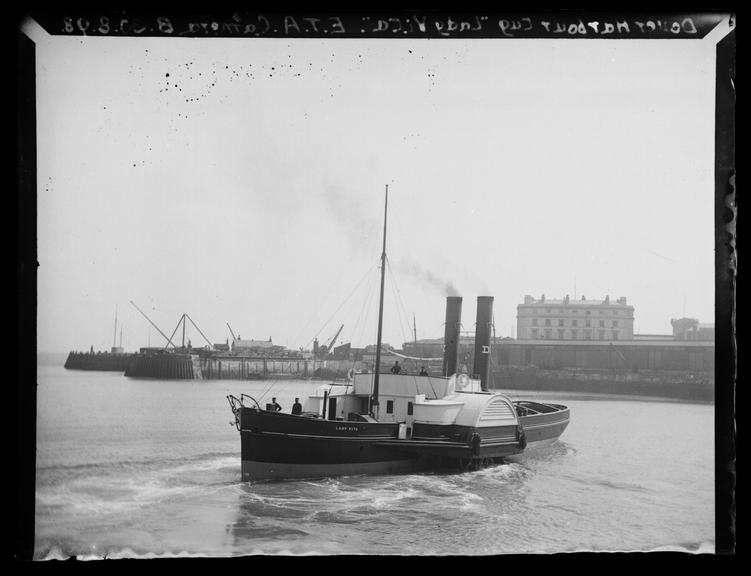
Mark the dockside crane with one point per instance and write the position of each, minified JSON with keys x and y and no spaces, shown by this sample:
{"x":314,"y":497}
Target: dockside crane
{"x":231,"y":332}
{"x":333,"y":340}
{"x":169,"y":340}
{"x":324,"y":349}
{"x":180,"y":322}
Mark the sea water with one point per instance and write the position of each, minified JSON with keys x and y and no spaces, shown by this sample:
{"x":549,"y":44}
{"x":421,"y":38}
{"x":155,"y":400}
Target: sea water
{"x":144,"y":468}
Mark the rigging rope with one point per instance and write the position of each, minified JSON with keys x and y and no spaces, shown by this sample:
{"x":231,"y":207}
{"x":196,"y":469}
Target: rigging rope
{"x":341,"y":305}
{"x":392,"y":277}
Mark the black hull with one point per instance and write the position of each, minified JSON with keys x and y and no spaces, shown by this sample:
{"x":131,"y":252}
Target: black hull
{"x":270,"y":456}
{"x":277,"y":446}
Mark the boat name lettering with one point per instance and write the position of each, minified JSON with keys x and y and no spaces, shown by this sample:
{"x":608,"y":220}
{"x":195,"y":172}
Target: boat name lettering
{"x":346,"y":428}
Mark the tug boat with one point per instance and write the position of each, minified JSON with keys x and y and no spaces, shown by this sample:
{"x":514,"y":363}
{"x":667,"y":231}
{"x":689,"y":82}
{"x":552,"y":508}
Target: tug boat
{"x":396,"y":423}
{"x":429,"y":423}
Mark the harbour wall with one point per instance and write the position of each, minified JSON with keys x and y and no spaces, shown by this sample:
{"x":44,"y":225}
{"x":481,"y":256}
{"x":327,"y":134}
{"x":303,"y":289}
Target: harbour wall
{"x":175,"y":366}
{"x":682,"y":385}
{"x":101,"y":361}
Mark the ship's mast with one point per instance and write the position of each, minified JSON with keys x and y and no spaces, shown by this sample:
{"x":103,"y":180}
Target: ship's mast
{"x":114,"y":335}
{"x":374,"y":398}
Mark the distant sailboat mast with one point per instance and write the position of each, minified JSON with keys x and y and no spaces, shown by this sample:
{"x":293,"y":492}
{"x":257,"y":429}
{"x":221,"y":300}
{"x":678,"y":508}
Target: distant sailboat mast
{"x":114,"y":334}
{"x":374,"y":398}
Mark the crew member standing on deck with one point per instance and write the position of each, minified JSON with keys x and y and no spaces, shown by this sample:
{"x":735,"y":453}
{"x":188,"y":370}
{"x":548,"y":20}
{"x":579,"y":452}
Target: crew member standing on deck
{"x":424,"y":371}
{"x":396,"y":369}
{"x":297,"y":407}
{"x":277,"y":407}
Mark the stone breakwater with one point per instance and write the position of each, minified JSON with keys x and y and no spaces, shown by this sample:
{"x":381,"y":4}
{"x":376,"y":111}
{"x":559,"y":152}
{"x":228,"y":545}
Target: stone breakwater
{"x":101,"y":361}
{"x":197,"y":367}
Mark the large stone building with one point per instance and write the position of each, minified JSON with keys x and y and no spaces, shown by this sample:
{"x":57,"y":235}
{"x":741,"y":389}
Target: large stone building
{"x":692,"y":329}
{"x":571,"y":319}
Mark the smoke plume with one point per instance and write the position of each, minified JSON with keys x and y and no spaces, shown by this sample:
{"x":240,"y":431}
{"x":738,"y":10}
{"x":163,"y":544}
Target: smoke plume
{"x":427,"y":278}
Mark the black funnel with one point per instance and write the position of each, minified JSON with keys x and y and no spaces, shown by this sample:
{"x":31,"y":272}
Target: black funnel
{"x":482,"y":339}
{"x":451,"y":336}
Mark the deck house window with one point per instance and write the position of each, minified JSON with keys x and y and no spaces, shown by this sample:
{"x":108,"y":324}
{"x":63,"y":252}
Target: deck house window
{"x":409,"y":408}
{"x":389,"y":407}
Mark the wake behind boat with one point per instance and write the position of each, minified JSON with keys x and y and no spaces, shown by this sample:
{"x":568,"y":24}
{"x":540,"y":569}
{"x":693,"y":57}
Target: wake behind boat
{"x":393,"y":423}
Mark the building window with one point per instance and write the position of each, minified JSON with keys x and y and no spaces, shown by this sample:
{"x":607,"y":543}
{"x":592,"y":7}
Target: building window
{"x":547,"y":321}
{"x":548,"y":333}
{"x":602,"y":323}
{"x":574,"y":322}
{"x":389,"y":406}
{"x":601,"y":334}
{"x":574,"y":334}
{"x":615,"y":323}
{"x":588,"y":312}
{"x":560,"y":334}
{"x":587,"y":334}
{"x":534,"y":333}
{"x":615,"y":335}
{"x":534,"y":321}
{"x":588,"y":323}
{"x":560,"y":321}
{"x":409,"y":408}
{"x":615,"y":312}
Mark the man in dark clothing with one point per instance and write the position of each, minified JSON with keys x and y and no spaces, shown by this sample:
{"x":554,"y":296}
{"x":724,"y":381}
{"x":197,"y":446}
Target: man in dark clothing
{"x":277,"y":407}
{"x":424,"y":371}
{"x":297,"y":407}
{"x":395,"y":369}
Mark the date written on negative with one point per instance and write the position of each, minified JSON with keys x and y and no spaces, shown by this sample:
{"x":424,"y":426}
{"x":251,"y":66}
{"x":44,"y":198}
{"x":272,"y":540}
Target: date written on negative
{"x":383,"y":26}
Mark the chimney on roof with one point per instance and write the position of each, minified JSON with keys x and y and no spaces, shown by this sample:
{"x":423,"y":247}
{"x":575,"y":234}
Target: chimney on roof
{"x":566,"y":299}
{"x":607,"y":299}
{"x":584,"y":298}
{"x":542,"y":298}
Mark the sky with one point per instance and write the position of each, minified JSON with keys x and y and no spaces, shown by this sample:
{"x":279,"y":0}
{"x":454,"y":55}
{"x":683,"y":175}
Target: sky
{"x":242,"y":181}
